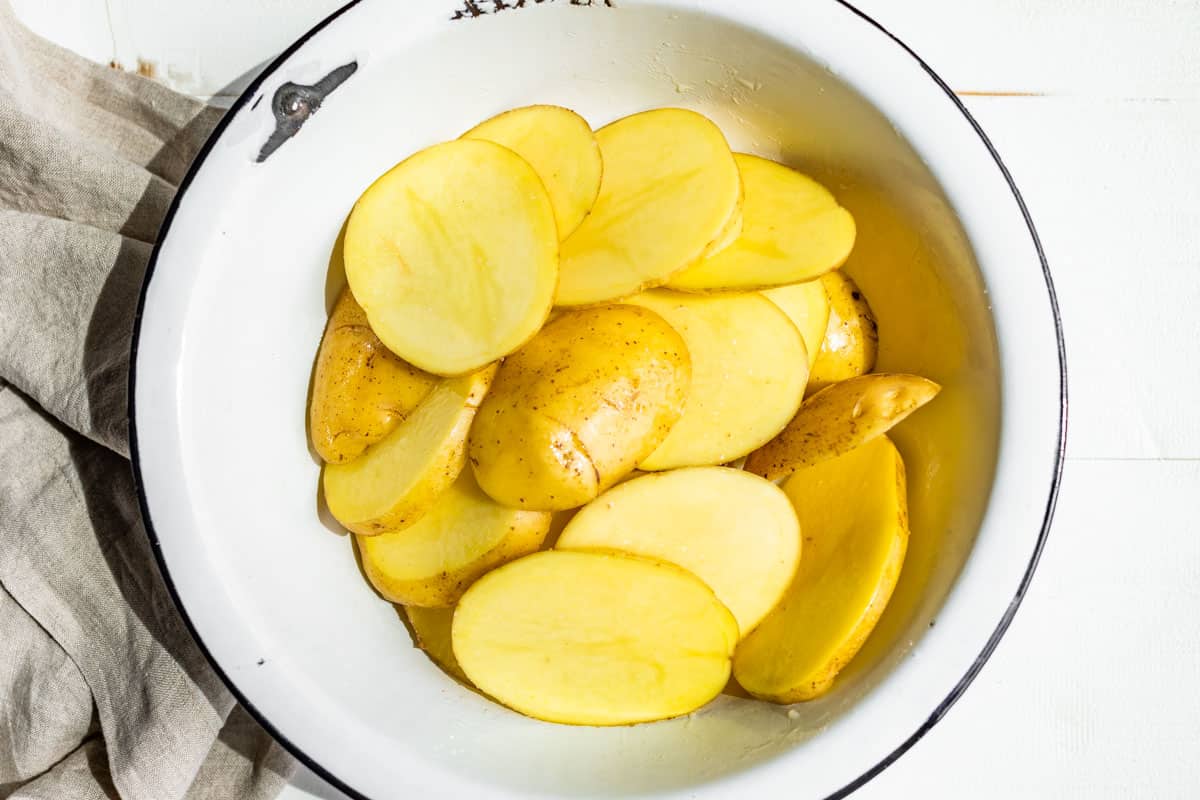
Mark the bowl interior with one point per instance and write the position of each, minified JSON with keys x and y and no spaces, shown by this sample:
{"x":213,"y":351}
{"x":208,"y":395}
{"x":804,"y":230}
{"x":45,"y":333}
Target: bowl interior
{"x":250,"y":282}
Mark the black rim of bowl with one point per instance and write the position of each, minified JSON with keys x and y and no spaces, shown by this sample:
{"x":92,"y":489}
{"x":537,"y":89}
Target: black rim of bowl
{"x":937,"y":713}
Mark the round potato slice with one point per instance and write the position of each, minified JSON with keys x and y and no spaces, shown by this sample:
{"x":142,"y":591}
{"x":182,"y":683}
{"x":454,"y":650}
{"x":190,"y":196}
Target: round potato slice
{"x":361,"y":390}
{"x":431,"y":629}
{"x":851,"y":338}
{"x":595,"y":392}
{"x":561,"y":148}
{"x":838,"y":419}
{"x":749,"y":368}
{"x":670,"y":186}
{"x":735,"y":531}
{"x":399,"y":479}
{"x":453,"y":254}
{"x":854,"y":514}
{"x":807,"y":306}
{"x":793,"y":231}
{"x":465,"y":534}
{"x":594,"y":638}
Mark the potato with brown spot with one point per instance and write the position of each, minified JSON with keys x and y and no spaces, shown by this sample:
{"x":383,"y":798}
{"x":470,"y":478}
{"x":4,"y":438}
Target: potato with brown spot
{"x":570,"y":413}
{"x":851,"y":337}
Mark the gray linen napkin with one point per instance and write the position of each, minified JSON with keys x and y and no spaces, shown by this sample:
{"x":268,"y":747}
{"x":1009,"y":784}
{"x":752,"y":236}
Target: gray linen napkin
{"x":103,"y":693}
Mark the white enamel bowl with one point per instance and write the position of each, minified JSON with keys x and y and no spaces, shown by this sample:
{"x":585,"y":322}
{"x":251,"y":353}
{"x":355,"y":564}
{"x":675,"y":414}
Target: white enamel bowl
{"x":236,"y":299}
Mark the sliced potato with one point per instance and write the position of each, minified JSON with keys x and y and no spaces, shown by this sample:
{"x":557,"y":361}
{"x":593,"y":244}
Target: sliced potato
{"x":807,"y":306}
{"x":578,"y":407}
{"x":594,"y":638}
{"x":669,"y":188}
{"x":794,"y":230}
{"x":561,"y":148}
{"x":729,"y":233}
{"x":399,"y":479}
{"x":736,"y":532}
{"x":432,"y":629}
{"x":748,"y":373}
{"x":448,"y":283}
{"x":839,"y":418}
{"x":854,"y":515}
{"x":851,"y":337}
{"x":465,"y":534}
{"x":361,"y":390}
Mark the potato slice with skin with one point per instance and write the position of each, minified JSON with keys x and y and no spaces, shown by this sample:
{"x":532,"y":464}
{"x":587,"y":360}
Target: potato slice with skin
{"x":838,"y":419}
{"x":449,"y":284}
{"x":361,"y":390}
{"x":794,"y":231}
{"x":594,"y":638}
{"x":399,"y":479}
{"x":807,"y":306}
{"x":669,"y":188}
{"x":851,"y":338}
{"x":735,"y":531}
{"x":465,"y":534}
{"x":595,"y":392}
{"x":561,"y":148}
{"x":854,"y":515}
{"x":431,"y":626}
{"x":749,"y":368}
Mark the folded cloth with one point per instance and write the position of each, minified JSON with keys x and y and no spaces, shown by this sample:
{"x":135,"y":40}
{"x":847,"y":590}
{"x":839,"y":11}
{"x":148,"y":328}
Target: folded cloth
{"x":103,"y":693}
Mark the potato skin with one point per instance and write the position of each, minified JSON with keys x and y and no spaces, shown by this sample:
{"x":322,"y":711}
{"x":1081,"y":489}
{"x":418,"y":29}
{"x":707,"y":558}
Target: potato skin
{"x":569,"y":414}
{"x":851,"y":338}
{"x":361,"y":390}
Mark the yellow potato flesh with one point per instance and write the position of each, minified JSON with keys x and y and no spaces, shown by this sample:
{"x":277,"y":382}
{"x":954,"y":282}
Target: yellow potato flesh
{"x":399,"y":479}
{"x":749,"y":369}
{"x":851,"y":338}
{"x":807,"y":306}
{"x":854,"y":517}
{"x":578,"y":407}
{"x":594,"y":638}
{"x":669,"y":188}
{"x":736,"y":532}
{"x":839,"y":418}
{"x":453,"y":255}
{"x":728,"y":234}
{"x":465,"y":534}
{"x":793,"y":230}
{"x":431,"y":626}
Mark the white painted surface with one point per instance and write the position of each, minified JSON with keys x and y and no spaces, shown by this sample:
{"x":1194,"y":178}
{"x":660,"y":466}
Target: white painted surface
{"x":1091,"y":693}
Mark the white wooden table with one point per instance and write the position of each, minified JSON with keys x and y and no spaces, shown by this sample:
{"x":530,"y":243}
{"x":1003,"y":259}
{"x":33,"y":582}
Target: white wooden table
{"x":1095,"y":106}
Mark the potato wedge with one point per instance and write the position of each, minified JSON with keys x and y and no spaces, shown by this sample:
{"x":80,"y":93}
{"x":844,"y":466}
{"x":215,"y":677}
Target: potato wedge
{"x":594,"y":638}
{"x":736,"y":532}
{"x":361,"y":390}
{"x":854,"y":515}
{"x":748,"y":373}
{"x":851,"y":338}
{"x":595,"y":392}
{"x":794,"y":230}
{"x":399,"y":479}
{"x":449,"y":284}
{"x":465,"y":534}
{"x":431,"y":626}
{"x":838,"y":419}
{"x":561,"y":148}
{"x":807,"y":306}
{"x":669,"y":188}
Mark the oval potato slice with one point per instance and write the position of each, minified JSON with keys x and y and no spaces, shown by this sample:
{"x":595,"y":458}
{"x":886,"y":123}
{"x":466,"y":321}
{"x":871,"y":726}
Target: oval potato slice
{"x":449,"y":284}
{"x":594,"y":638}
{"x":399,"y":479}
{"x":838,"y":419}
{"x":361,"y":390}
{"x":595,"y":392}
{"x":465,"y":534}
{"x":561,"y":148}
{"x":807,"y":306}
{"x":749,"y":368}
{"x":431,"y":627}
{"x":854,"y":514}
{"x":793,"y":230}
{"x":851,"y":338}
{"x":735,"y":531}
{"x":669,"y":188}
